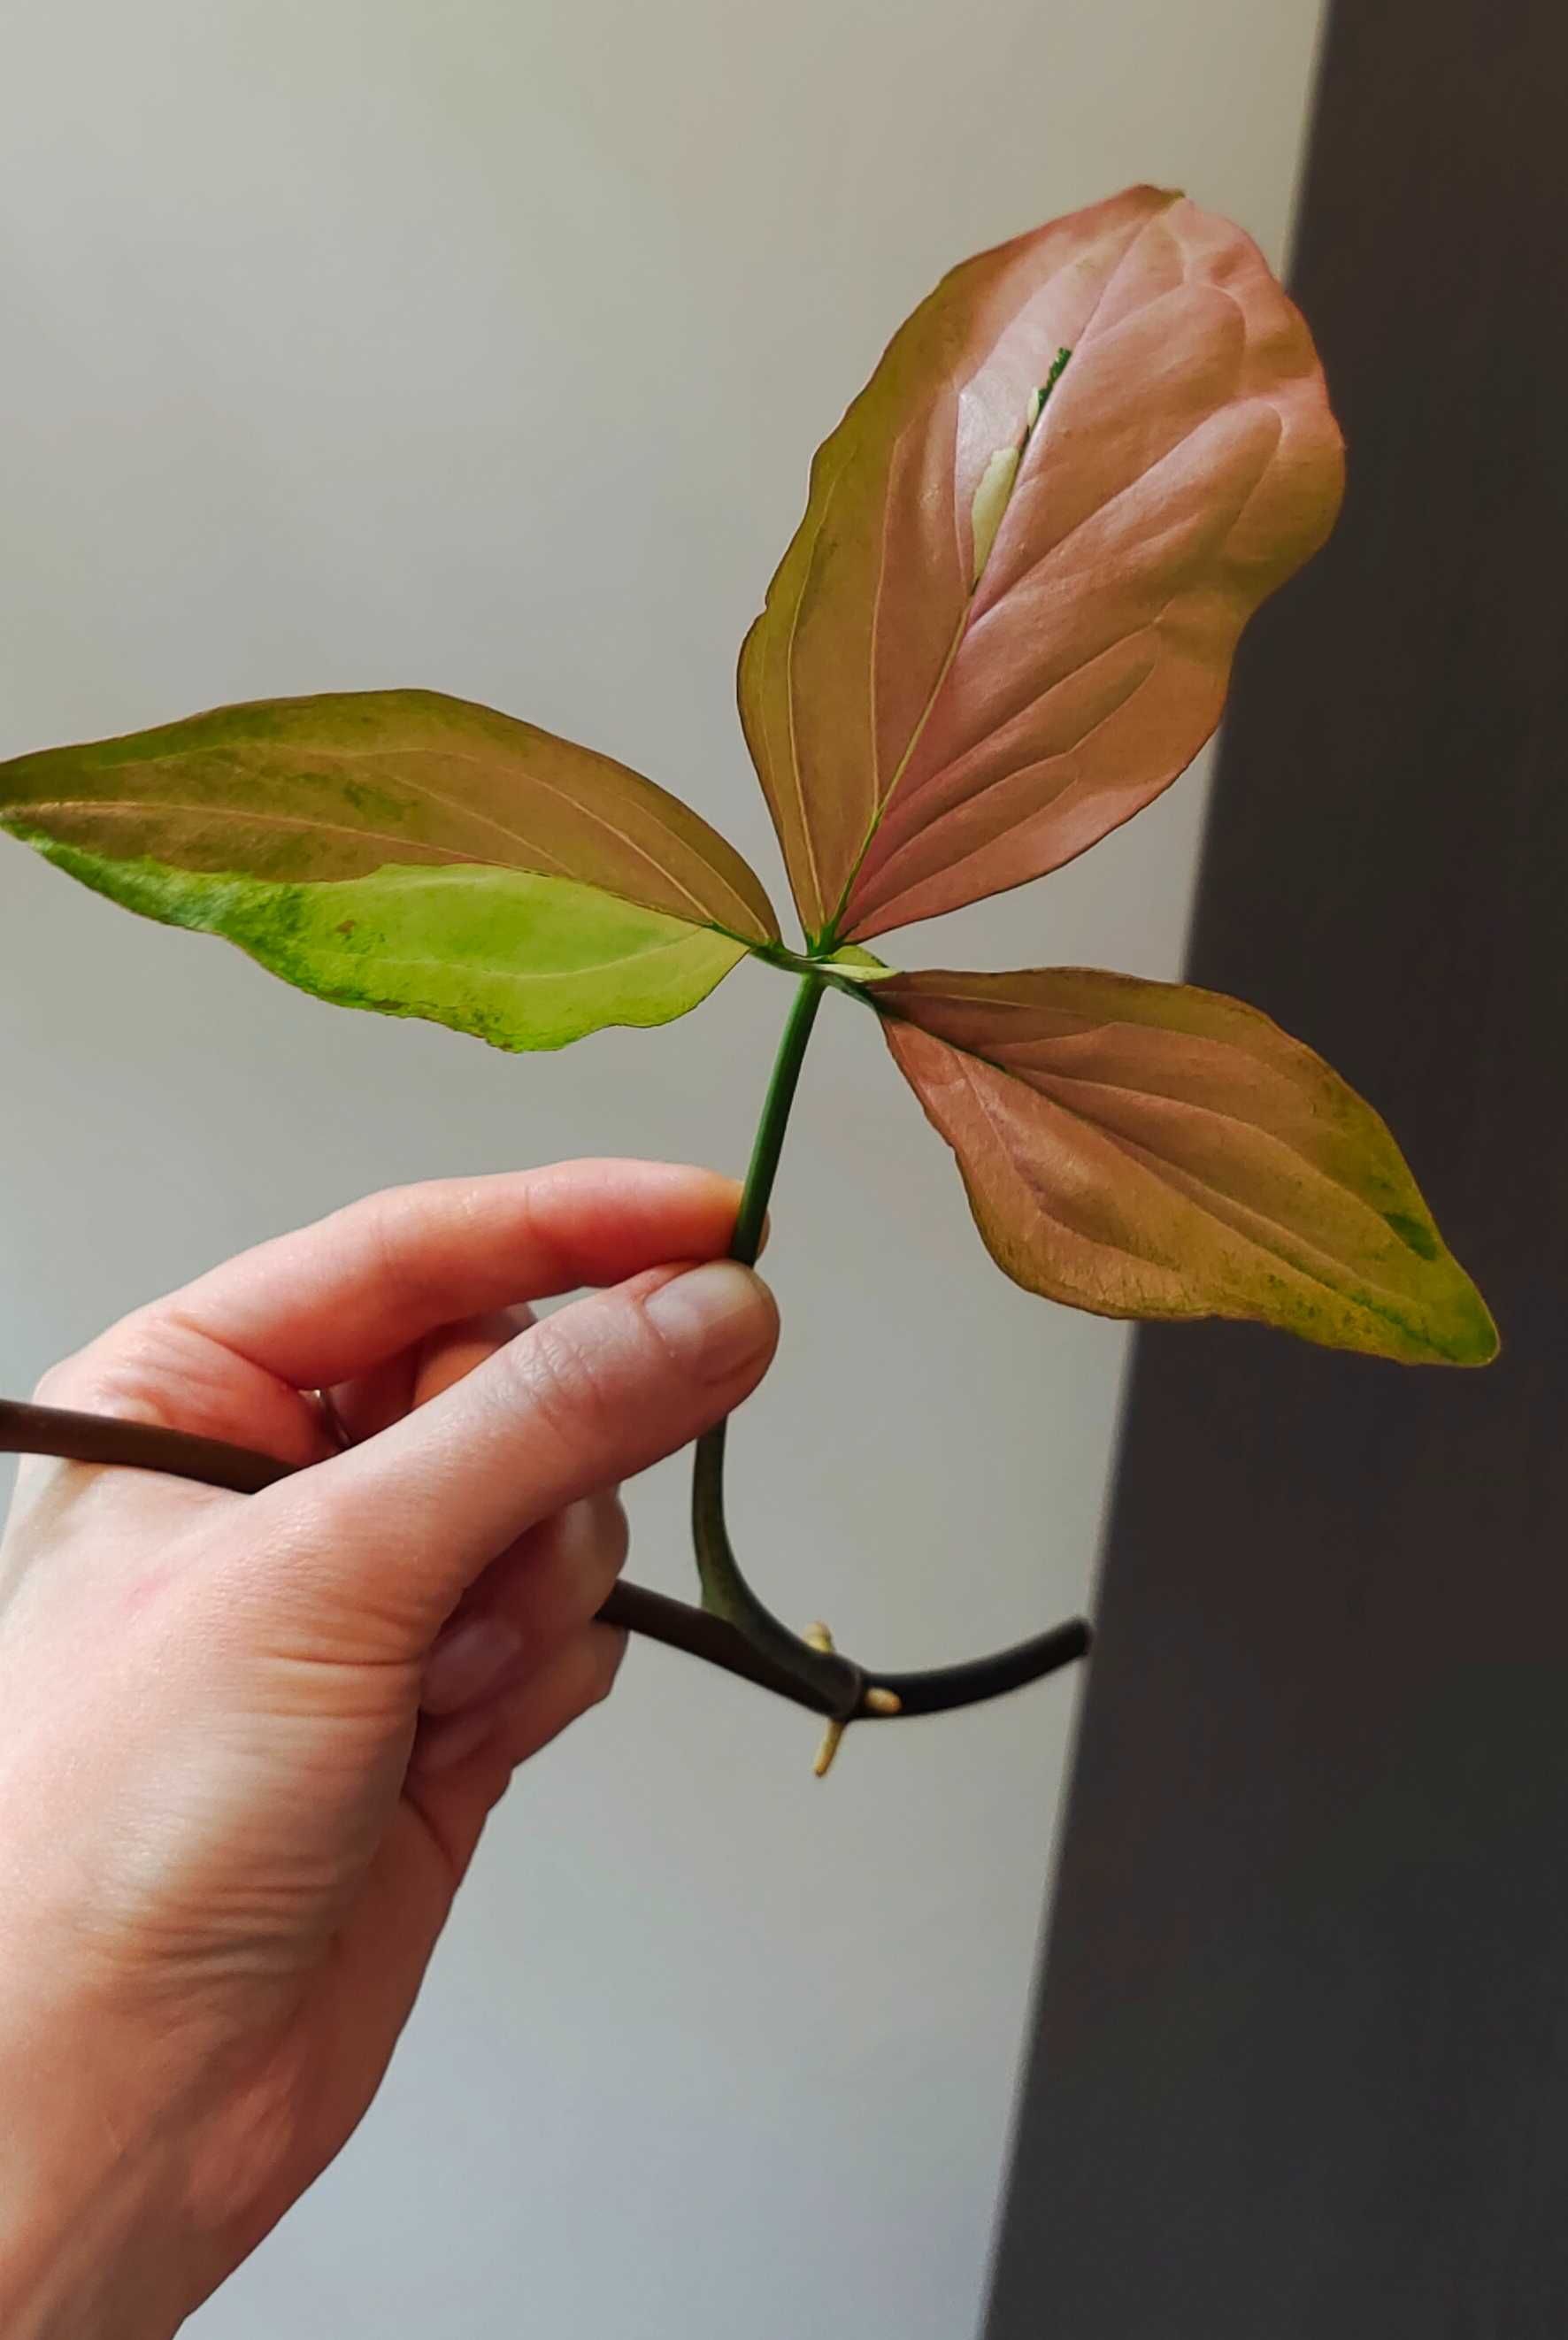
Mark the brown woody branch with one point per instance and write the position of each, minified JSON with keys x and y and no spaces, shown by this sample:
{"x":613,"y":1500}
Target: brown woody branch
{"x":103,"y":1439}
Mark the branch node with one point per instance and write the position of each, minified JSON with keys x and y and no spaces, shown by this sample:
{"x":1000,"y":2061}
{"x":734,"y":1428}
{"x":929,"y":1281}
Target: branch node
{"x":818,"y":1637}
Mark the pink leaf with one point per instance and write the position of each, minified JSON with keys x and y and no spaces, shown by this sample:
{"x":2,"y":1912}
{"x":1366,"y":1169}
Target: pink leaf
{"x":994,"y":638}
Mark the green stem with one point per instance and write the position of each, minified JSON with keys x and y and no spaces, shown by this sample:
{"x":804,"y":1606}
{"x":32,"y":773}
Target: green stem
{"x":768,"y":1143}
{"x":725,"y":1592}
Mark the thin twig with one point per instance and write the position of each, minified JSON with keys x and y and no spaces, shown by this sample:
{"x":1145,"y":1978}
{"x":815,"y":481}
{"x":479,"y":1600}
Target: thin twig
{"x":138,"y":1445}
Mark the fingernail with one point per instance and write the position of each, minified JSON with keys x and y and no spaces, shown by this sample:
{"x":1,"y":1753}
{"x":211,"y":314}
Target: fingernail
{"x":718,"y":1316}
{"x":589,"y":1529}
{"x":468,"y":1662}
{"x":459,"y":1735}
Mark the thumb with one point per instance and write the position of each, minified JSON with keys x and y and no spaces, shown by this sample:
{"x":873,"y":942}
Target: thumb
{"x":375,"y":1547}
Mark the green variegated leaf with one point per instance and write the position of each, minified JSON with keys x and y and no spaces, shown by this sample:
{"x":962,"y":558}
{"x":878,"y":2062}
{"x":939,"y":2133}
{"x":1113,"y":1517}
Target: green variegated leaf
{"x":407,"y":852}
{"x":521,"y":961}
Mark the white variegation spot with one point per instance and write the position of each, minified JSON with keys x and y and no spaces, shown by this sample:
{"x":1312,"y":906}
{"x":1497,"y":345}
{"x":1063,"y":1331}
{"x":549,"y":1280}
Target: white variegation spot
{"x":991,"y":501}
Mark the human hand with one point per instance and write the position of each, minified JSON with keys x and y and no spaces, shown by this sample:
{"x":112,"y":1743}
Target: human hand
{"x":249,"y":1742}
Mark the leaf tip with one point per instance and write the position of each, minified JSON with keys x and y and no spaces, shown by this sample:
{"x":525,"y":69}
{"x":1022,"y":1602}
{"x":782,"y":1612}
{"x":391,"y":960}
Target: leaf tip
{"x":1477,"y":1341}
{"x":1456,"y":1328}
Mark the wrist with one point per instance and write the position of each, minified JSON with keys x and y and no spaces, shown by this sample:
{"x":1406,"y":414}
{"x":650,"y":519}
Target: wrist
{"x":90,"y":2239}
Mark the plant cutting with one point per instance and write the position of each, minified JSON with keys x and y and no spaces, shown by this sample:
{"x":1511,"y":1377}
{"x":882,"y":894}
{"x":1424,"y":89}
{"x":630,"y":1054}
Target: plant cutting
{"x":1005,"y":624}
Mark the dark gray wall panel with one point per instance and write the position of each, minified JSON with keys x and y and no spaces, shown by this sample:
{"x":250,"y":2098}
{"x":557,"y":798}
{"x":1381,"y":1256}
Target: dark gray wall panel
{"x":1301,"y":2063}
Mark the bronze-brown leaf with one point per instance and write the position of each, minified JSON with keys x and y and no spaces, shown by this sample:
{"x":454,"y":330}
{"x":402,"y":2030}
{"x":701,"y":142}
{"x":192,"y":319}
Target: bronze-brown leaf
{"x":1148,"y":1149}
{"x":999,"y":630}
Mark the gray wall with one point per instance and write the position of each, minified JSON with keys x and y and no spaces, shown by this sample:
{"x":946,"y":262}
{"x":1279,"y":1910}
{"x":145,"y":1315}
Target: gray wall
{"x":353,"y":344}
{"x":1301,"y":2065}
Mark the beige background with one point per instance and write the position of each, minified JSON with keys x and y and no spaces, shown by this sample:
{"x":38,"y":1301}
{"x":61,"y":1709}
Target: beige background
{"x":484,"y":346}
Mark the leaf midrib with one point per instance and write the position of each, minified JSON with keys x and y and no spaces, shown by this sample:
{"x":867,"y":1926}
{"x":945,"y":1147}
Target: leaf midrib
{"x":830,"y":934}
{"x":483,"y":971}
{"x":541,"y":861}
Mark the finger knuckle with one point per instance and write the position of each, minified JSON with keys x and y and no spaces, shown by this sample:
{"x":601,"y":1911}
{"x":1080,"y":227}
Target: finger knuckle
{"x":567,"y":1382}
{"x":389,"y":1225}
{"x":132,"y":1369}
{"x":301,"y":1570}
{"x":54,"y":1385}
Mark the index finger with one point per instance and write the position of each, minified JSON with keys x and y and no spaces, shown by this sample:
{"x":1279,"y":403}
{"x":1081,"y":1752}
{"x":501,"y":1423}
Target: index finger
{"x":332,"y":1300}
